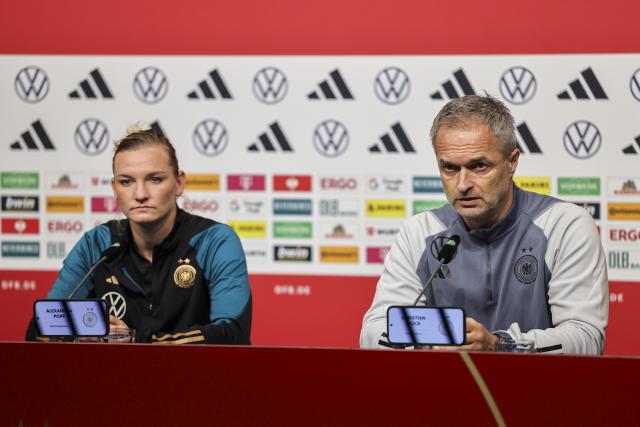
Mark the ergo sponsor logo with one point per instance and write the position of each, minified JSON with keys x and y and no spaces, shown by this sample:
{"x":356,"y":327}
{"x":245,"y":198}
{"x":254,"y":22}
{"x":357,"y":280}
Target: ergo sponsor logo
{"x":65,"y":226}
{"x":618,"y":234}
{"x":337,"y":183}
{"x":199,"y":205}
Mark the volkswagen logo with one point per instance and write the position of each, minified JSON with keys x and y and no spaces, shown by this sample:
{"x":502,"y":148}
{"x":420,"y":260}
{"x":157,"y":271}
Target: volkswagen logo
{"x":117,"y":304}
{"x":270,"y":85}
{"x":32,"y":84}
{"x":150,"y":85}
{"x":582,"y":139}
{"x":518,"y":85}
{"x":210,"y":137}
{"x":392,"y":85}
{"x":331,"y":138}
{"x":635,"y":84}
{"x":91,"y":137}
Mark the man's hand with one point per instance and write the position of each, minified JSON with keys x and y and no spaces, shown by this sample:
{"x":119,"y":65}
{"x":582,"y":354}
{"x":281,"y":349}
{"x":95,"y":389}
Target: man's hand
{"x":477,"y":338}
{"x":115,"y":323}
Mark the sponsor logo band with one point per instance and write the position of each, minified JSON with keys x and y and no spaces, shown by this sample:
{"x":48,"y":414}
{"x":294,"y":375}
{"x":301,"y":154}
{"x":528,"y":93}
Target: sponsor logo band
{"x":292,"y":206}
{"x":540,"y":185}
{"x":292,"y":253}
{"x":200,"y":182}
{"x":427,"y":184}
{"x":386,"y":208}
{"x":339,"y":254}
{"x":250,"y":229}
{"x":624,"y":211}
{"x":292,"y":230}
{"x":20,"y":249}
{"x":20,"y":203}
{"x":579,"y":186}
{"x":65,"y":204}
{"x":20,"y":180}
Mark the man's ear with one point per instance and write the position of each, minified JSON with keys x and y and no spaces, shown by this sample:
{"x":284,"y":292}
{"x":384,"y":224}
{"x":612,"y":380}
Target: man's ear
{"x":513,"y":161}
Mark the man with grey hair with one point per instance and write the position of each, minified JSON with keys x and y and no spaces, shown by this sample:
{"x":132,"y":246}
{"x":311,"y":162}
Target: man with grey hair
{"x":528,"y":266}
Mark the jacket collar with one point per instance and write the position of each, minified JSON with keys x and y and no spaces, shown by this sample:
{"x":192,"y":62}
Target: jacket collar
{"x":501,"y":227}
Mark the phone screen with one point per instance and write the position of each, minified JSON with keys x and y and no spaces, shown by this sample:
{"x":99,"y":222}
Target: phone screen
{"x":426,"y":325}
{"x":62,"y":318}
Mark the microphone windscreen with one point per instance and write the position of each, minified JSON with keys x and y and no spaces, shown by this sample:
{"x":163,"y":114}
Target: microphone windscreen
{"x":112,"y":252}
{"x":449,"y":249}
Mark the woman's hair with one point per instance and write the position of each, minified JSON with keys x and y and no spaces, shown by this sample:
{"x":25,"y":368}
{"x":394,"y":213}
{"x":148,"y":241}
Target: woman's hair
{"x":138,"y":138}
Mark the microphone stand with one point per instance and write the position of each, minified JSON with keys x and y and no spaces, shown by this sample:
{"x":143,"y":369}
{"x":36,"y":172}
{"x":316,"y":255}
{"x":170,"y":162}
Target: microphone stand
{"x":429,"y":280}
{"x":443,"y":318}
{"x":86,"y":276}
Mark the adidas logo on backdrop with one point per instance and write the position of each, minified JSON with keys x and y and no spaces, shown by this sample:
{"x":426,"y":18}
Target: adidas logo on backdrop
{"x":205,"y":89}
{"x":386,"y":143}
{"x":579,"y":90}
{"x":268,"y":145}
{"x":527,"y":139}
{"x":96,"y":90}
{"x":451,"y":91}
{"x":632,"y":148}
{"x":30,"y":143}
{"x":325,"y":91}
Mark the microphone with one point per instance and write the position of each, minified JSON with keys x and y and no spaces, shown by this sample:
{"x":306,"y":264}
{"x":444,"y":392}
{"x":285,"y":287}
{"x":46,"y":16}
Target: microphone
{"x":445,"y":255}
{"x":108,"y":255}
{"x":449,"y":249}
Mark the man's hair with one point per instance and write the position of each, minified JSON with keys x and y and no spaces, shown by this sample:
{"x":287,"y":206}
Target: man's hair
{"x":475,"y":109}
{"x":138,"y":138}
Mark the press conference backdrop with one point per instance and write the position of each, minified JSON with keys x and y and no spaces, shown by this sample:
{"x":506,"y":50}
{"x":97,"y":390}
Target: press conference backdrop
{"x":315,"y":161}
